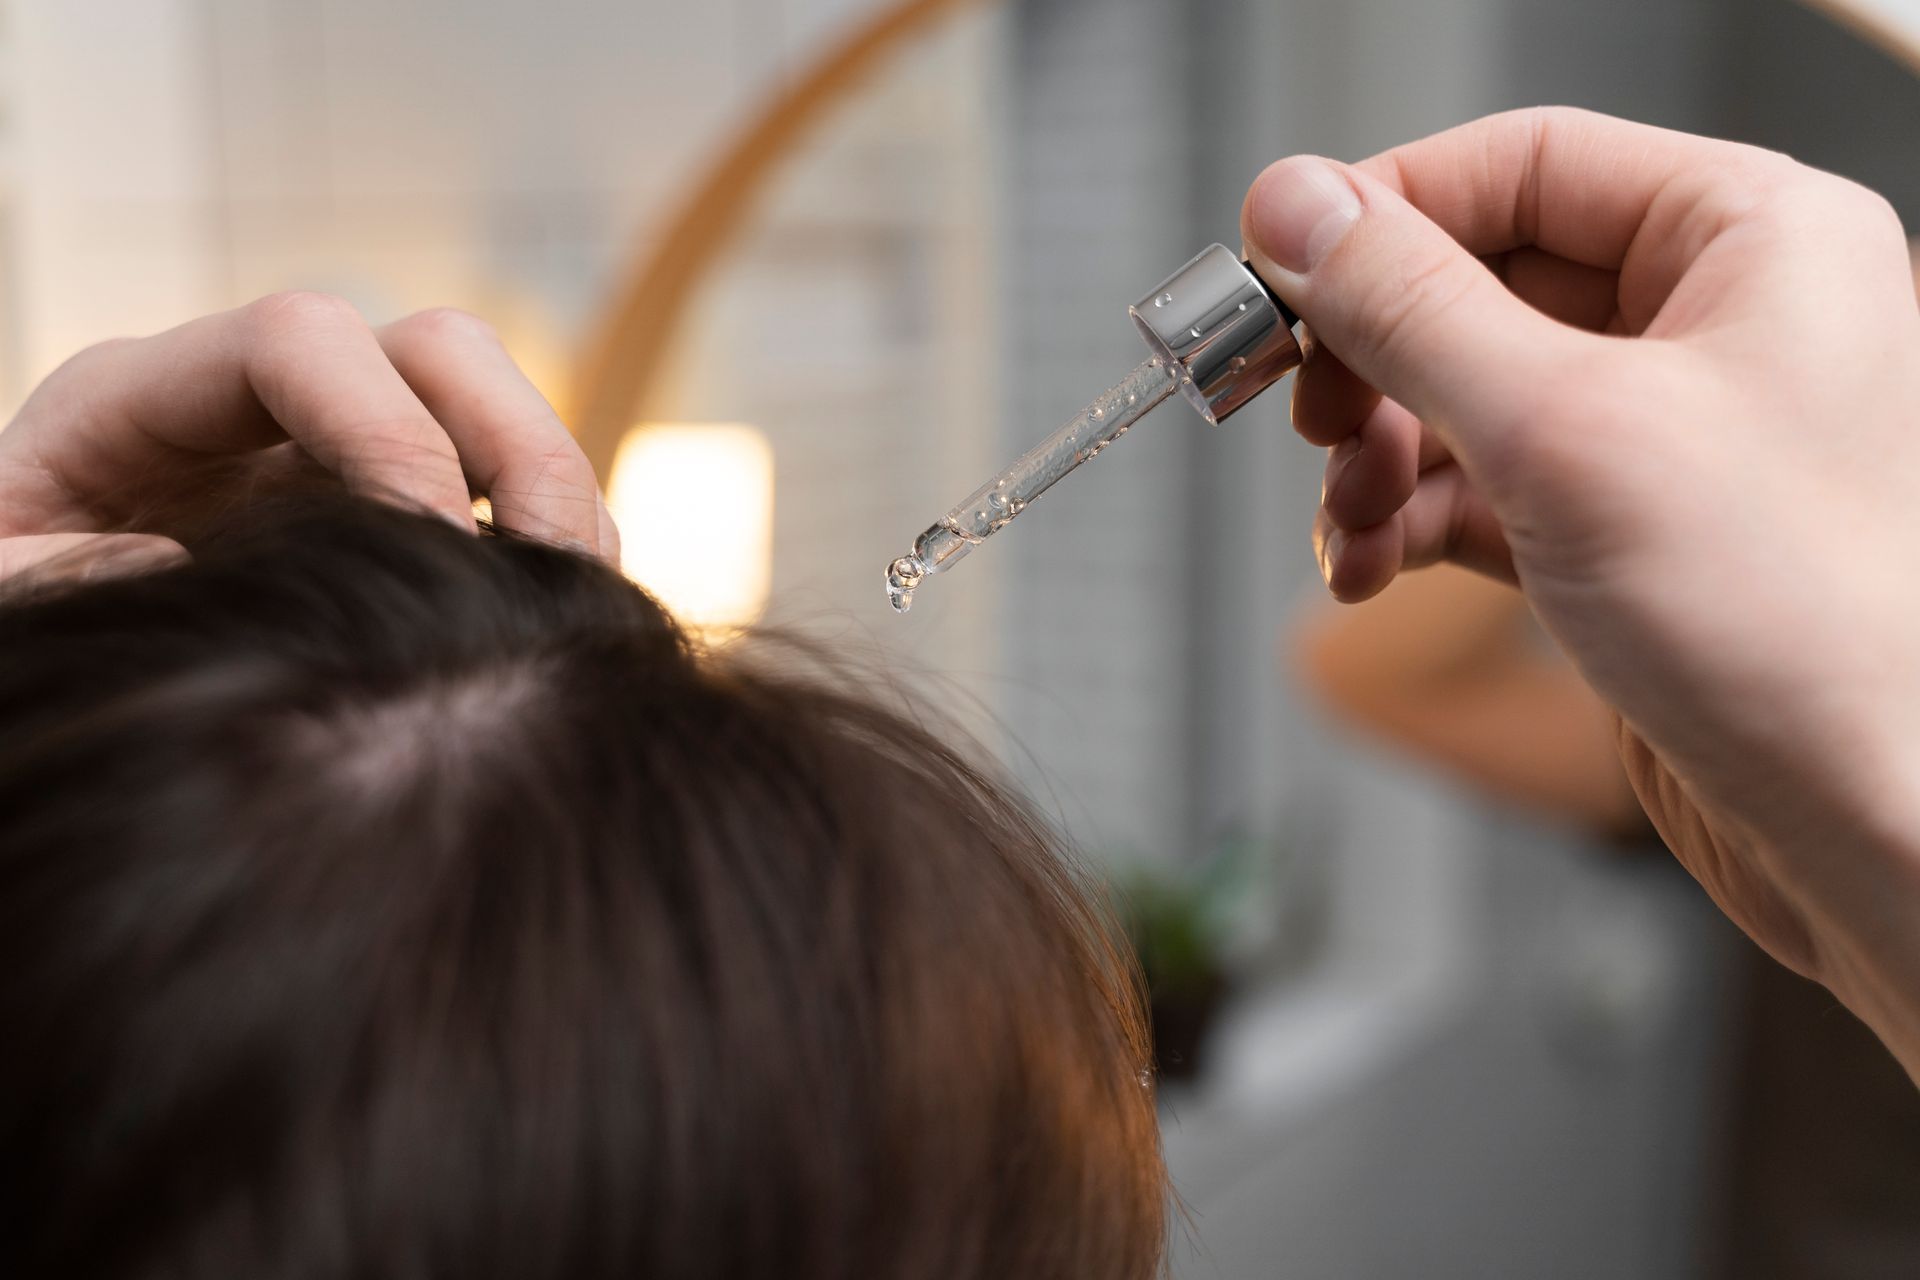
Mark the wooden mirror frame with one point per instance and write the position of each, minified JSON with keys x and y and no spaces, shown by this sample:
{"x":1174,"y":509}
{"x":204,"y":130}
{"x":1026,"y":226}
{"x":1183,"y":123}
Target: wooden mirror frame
{"x":616,"y":383}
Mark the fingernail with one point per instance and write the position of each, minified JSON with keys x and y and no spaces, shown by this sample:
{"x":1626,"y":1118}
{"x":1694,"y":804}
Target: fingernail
{"x":1300,"y":209}
{"x":1330,"y":554}
{"x":1338,"y":460}
{"x":132,"y":561}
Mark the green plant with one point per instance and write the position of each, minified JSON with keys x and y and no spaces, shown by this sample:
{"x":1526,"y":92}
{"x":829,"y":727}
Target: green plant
{"x":1169,"y":926}
{"x":1181,"y":919}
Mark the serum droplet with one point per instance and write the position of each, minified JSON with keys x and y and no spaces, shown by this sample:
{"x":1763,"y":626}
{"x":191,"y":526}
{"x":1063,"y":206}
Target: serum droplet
{"x":1163,"y":300}
{"x":903,"y":575}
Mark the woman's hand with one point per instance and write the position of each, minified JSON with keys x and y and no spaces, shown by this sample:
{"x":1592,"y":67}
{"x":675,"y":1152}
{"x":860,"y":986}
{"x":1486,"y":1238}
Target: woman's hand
{"x":1671,"y":387}
{"x":131,"y":441}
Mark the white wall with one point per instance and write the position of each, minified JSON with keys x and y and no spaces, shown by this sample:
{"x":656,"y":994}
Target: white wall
{"x":168,"y":156}
{"x":109,"y":212}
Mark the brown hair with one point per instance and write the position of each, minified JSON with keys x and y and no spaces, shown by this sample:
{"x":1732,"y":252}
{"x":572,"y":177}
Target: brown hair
{"x":376,"y":900}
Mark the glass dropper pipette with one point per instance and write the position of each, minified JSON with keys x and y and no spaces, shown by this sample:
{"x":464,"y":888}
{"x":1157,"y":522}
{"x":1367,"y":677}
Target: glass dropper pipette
{"x":1219,"y":338}
{"x":1005,"y":496}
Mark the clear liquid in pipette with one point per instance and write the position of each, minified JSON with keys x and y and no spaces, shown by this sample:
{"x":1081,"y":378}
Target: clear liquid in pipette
{"x":1004,"y":497}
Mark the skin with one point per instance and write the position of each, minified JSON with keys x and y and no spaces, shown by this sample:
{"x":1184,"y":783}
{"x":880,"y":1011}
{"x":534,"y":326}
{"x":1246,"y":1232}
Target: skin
{"x":117,"y":453}
{"x":1446,"y":664}
{"x":1668,"y":387}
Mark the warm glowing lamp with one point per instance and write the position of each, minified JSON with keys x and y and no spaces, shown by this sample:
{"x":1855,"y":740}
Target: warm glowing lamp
{"x":694,"y":502}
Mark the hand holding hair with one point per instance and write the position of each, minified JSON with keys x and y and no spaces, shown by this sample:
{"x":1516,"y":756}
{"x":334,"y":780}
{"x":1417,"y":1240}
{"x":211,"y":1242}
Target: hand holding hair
{"x":128,"y":441}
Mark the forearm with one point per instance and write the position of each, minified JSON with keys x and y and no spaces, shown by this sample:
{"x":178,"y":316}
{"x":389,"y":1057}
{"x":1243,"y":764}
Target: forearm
{"x":1875,"y":970}
{"x":1866,"y":908}
{"x":1828,"y":883}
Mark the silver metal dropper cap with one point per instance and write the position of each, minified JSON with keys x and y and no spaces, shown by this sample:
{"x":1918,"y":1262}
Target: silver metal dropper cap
{"x":1215,"y":318}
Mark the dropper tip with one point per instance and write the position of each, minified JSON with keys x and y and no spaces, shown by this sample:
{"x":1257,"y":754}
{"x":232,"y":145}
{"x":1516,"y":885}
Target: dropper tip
{"x":903,"y":575}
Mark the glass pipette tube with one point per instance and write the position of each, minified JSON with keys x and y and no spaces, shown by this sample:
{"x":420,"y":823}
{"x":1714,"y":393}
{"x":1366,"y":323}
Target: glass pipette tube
{"x":1219,"y":337}
{"x":1005,"y":496}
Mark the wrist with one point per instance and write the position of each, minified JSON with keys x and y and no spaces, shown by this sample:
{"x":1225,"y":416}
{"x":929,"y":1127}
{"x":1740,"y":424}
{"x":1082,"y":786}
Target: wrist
{"x":1869,"y":948}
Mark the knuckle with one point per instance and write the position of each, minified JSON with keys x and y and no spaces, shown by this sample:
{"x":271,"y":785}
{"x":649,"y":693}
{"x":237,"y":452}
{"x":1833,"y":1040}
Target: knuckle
{"x":1753,"y":178}
{"x":448,"y":325}
{"x":1531,"y":122}
{"x":300,"y":311}
{"x":90,"y":357}
{"x":1763,"y":167}
{"x":1866,"y":208}
{"x":1738,"y":176}
{"x":70,"y":383}
{"x":73,"y":386}
{"x":1765,"y":193}
{"x":1791,"y":199}
{"x":105,"y":347}
{"x":1548,"y":117}
{"x":564,"y":462}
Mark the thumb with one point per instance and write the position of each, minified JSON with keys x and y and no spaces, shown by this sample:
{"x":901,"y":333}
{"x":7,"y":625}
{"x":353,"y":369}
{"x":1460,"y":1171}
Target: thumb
{"x":1400,"y":302}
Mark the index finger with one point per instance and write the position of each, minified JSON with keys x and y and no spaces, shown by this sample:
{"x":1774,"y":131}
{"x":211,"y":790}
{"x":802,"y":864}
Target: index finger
{"x":121,"y":417}
{"x":513,"y":447}
{"x":1575,"y":183}
{"x":319,"y":370}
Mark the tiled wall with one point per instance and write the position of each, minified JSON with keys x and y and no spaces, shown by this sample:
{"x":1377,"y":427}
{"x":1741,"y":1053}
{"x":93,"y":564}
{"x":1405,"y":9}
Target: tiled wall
{"x":1097,"y":619}
{"x":112,"y":222}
